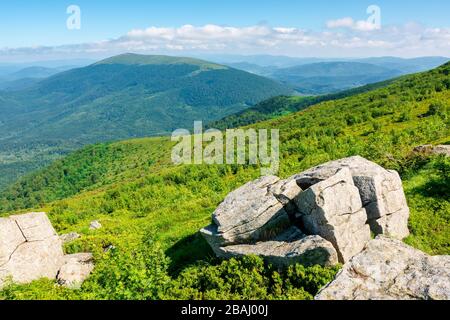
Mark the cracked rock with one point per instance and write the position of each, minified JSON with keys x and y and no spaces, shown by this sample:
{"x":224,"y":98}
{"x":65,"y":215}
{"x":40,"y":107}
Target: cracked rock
{"x":333,"y":210}
{"x":29,"y":248}
{"x":388,"y":269}
{"x":249,"y":214}
{"x":335,"y":205}
{"x":381,"y":192}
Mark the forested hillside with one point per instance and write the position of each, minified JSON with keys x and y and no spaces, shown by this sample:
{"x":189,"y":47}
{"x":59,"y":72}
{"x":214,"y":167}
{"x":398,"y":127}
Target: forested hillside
{"x":151,"y":211}
{"x":283,"y":105}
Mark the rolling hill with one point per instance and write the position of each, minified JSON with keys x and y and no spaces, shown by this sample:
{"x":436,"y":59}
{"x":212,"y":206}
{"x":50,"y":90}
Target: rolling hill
{"x":121,"y":97}
{"x":152,"y":210}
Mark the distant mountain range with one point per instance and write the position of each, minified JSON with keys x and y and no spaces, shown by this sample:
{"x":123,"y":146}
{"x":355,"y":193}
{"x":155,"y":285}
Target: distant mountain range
{"x":28,"y":76}
{"x":314,"y":76}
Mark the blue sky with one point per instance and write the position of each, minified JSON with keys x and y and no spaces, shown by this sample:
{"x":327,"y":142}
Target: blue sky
{"x":29,"y":23}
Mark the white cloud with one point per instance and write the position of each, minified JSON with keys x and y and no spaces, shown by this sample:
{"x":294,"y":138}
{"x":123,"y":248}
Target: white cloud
{"x":343,"y":38}
{"x":340,"y":23}
{"x":348,"y":22}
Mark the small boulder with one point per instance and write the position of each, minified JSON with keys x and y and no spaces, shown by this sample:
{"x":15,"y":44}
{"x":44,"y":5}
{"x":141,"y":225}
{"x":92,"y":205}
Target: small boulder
{"x":333,"y":210}
{"x":95,"y":225}
{"x":388,"y":269}
{"x":69,"y":237}
{"x":75,"y":269}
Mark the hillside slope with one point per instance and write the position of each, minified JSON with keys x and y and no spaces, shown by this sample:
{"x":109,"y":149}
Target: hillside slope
{"x":122,"y":97}
{"x":145,"y":202}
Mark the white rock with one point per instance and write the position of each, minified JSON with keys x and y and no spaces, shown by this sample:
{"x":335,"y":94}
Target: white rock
{"x":29,"y":248}
{"x":75,"y":269}
{"x":381,"y":192}
{"x":95,"y":225}
{"x":389,"y":269}
{"x":69,"y":237}
{"x":248,"y":214}
{"x":333,"y":209}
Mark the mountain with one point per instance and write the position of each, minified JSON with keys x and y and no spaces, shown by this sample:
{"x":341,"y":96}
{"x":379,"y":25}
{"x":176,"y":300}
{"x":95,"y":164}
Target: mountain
{"x":27,"y":77}
{"x":36,"y":72}
{"x":117,"y":98}
{"x":411,"y":65}
{"x":265,"y":60}
{"x":152,"y":210}
{"x":253,"y":68}
{"x":328,"y":77}
{"x":19,"y":84}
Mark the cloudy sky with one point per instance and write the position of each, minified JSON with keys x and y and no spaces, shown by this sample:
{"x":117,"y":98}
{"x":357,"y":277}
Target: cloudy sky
{"x":38,"y":30}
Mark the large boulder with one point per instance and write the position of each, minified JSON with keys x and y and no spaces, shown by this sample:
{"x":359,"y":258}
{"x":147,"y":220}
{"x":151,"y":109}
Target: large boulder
{"x":251,"y":213}
{"x":290,"y":247}
{"x":381,"y":192}
{"x":29,"y":248}
{"x":336,"y":204}
{"x":389,"y":269}
{"x":333,"y":210}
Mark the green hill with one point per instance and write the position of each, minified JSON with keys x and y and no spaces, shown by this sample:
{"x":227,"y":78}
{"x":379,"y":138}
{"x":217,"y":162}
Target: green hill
{"x":151,"y":211}
{"x":122,"y":97}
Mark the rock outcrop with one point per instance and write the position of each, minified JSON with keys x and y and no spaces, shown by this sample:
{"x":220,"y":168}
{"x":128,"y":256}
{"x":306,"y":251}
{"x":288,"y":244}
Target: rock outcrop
{"x":333,"y":210}
{"x":29,"y":248}
{"x":389,"y":269}
{"x":251,"y":213}
{"x":436,"y":150}
{"x":380,"y":190}
{"x":337,"y":204}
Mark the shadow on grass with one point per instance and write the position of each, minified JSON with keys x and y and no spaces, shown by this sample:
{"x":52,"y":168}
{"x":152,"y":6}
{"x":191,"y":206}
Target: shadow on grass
{"x":188,"y":251}
{"x":439,"y":189}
